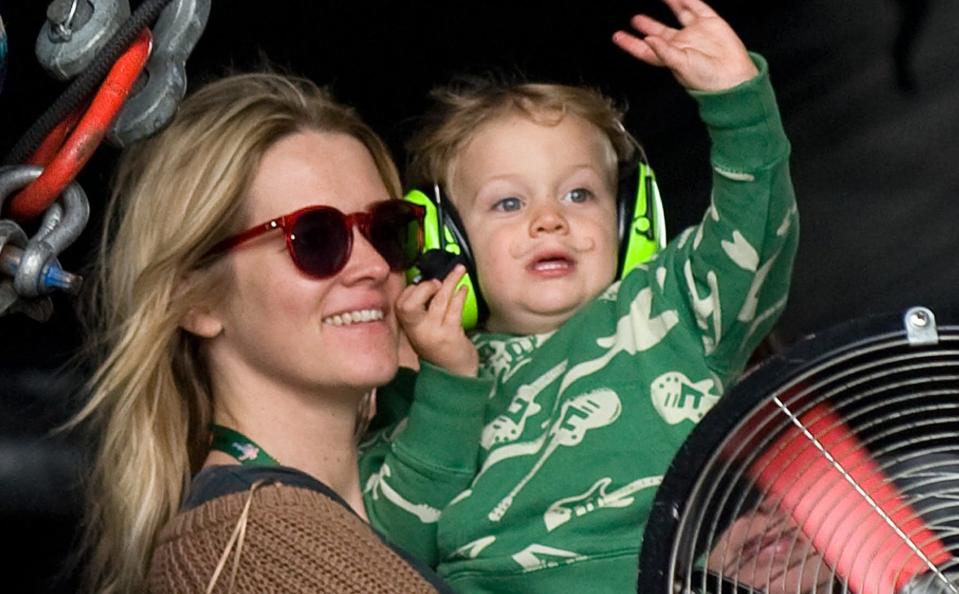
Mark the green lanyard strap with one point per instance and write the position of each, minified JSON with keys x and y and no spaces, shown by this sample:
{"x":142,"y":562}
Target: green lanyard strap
{"x":239,"y":446}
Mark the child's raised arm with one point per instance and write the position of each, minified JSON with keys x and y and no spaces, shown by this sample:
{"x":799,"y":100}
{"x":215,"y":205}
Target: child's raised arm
{"x":430,"y":314}
{"x":704,"y":54}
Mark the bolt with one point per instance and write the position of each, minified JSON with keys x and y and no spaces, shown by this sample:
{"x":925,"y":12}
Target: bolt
{"x":920,"y":319}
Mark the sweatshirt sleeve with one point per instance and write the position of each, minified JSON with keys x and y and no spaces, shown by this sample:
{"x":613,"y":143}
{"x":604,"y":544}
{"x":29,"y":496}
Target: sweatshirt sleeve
{"x":728,"y":276}
{"x":420,"y":453}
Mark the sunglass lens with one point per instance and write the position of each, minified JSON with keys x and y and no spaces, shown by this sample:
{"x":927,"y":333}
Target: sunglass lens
{"x":321,"y":242}
{"x":396,"y":233}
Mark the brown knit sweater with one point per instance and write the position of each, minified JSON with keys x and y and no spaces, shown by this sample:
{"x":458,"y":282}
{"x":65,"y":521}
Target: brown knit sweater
{"x":296,"y":540}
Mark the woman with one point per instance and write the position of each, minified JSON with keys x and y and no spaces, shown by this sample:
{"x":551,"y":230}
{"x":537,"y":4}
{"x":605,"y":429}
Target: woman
{"x":235,"y":295}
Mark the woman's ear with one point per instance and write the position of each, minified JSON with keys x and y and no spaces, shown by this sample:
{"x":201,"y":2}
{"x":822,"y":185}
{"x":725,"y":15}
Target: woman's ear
{"x":201,"y":322}
{"x":203,"y":319}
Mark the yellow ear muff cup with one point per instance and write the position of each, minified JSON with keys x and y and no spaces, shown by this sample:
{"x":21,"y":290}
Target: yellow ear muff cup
{"x":645,"y":232}
{"x":432,"y":240}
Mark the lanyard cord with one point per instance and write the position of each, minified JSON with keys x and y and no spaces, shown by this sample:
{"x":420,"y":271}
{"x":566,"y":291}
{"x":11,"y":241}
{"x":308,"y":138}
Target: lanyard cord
{"x":239,"y":446}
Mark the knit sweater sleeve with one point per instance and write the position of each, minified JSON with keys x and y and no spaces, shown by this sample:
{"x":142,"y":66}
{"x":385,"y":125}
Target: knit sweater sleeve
{"x":727,"y":278}
{"x":292,"y":540}
{"x":420,"y":454}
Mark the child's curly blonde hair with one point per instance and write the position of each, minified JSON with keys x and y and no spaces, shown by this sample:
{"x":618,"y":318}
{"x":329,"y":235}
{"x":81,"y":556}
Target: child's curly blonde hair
{"x":462,"y":108}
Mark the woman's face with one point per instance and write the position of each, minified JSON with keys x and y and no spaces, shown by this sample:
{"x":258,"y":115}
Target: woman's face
{"x":276,"y":322}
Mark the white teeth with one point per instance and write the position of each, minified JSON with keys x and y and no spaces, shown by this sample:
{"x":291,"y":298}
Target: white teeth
{"x":551,"y":265}
{"x":354,"y":317}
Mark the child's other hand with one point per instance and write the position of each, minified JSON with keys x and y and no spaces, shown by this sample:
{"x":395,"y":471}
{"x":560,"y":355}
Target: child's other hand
{"x":431,"y":314}
{"x":704,"y":54}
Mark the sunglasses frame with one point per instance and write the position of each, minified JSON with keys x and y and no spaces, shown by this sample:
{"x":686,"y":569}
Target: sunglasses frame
{"x":360,"y":220}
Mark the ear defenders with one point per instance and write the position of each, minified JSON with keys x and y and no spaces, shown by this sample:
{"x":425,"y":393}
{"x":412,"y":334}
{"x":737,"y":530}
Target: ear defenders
{"x":641,"y":227}
{"x":444,"y":246}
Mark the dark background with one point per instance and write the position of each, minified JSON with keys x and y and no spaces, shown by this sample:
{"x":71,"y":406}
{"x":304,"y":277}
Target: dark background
{"x":869,"y":91}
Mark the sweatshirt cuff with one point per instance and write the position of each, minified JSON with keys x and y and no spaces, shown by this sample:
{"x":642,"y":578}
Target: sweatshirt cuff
{"x":744,"y":124}
{"x":446,"y":418}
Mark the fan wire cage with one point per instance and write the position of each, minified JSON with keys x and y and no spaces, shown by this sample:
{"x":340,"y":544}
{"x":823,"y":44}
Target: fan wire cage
{"x":833,"y":467}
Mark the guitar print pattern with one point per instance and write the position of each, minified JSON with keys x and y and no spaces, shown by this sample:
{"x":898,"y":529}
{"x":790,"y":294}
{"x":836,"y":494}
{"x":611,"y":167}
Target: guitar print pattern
{"x":579,"y":415}
{"x":595,"y":498}
{"x":579,"y":425}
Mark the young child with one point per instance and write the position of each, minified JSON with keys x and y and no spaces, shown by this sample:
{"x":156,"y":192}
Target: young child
{"x":595,"y":383}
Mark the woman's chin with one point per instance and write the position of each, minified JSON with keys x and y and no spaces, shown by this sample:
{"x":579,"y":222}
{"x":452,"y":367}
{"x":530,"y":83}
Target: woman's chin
{"x":372,"y":373}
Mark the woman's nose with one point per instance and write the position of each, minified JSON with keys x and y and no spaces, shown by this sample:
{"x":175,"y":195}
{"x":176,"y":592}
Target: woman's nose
{"x":365,"y":261}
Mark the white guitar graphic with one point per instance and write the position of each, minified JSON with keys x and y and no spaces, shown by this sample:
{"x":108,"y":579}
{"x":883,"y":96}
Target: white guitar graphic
{"x":595,"y":498}
{"x":636,"y":332}
{"x":376,"y":484}
{"x":676,"y":397}
{"x":577,"y":416}
{"x":537,"y":556}
{"x":472,"y":550}
{"x":505,"y":428}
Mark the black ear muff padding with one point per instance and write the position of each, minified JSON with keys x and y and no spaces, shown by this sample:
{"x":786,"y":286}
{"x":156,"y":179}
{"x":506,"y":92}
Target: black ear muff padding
{"x":437,"y":263}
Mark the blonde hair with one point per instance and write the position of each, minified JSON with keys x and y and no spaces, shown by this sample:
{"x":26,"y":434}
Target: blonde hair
{"x":461,"y":109}
{"x":175,"y":196}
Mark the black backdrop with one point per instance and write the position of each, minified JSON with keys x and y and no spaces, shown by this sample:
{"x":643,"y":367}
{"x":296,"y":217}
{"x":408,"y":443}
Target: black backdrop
{"x":874,"y":159}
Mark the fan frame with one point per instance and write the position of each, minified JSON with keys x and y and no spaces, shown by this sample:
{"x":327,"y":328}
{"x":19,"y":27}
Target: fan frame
{"x":803,"y":358}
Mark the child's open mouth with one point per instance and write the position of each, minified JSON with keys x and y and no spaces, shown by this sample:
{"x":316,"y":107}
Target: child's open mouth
{"x":552,"y":265}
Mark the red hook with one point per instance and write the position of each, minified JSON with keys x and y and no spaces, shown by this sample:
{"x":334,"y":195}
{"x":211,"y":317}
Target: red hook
{"x":80,"y":146}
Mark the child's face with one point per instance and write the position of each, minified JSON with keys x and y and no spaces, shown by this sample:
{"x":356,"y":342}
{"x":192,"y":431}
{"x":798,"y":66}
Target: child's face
{"x":539,"y":208}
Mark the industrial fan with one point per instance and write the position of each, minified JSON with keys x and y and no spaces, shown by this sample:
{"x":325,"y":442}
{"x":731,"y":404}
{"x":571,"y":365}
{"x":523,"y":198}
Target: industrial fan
{"x":833,"y":467}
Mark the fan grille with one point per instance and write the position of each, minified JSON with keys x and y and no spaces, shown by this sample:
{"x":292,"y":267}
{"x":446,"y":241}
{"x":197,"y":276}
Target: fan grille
{"x":832,"y":468}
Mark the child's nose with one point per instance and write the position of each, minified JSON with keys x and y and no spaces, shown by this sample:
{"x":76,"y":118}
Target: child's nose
{"x":547,"y":219}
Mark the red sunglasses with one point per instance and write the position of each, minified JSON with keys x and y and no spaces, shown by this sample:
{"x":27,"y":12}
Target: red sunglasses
{"x":320,"y":238}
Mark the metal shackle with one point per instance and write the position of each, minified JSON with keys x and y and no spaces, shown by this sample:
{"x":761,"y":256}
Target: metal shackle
{"x":12,"y":234}
{"x":38,"y":270}
{"x":176,"y":32}
{"x":13,"y":241}
{"x":75,"y":31}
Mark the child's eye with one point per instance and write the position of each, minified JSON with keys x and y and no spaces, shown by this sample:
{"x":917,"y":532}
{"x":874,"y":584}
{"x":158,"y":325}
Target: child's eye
{"x":578,"y":196}
{"x":508,"y":204}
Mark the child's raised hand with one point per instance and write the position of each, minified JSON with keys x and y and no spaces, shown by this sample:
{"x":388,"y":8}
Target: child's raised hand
{"x":431,"y":314}
{"x":704,"y":54}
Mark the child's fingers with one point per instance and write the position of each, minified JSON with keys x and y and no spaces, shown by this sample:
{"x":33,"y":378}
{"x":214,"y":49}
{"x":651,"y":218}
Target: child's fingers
{"x":441,"y":301}
{"x":668,"y":55}
{"x":699,"y":8}
{"x":454,"y":313}
{"x":636,"y":47}
{"x":419,"y":295}
{"x":411,"y":304}
{"x":683,"y":13}
{"x":650,"y":26}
